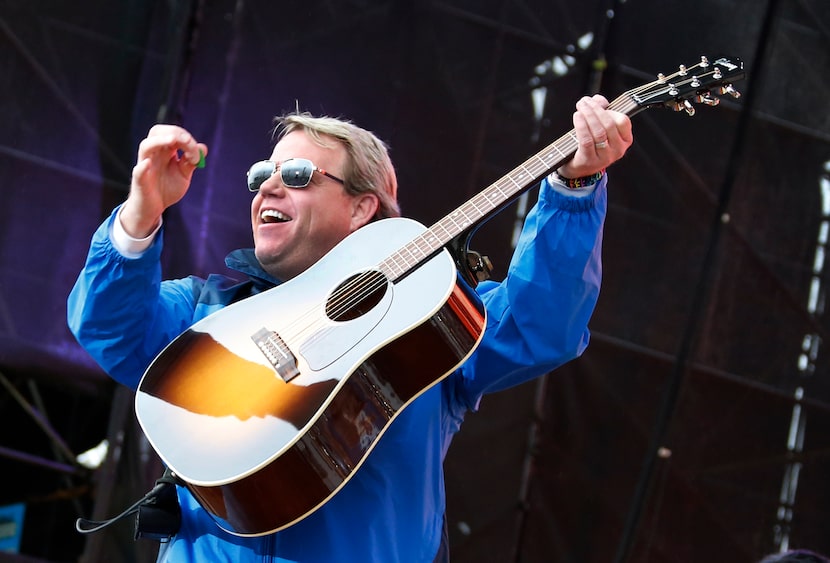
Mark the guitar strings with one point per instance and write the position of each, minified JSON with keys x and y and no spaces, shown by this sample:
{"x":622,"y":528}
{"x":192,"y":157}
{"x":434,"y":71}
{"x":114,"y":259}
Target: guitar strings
{"x":348,"y":295}
{"x":361,"y":286}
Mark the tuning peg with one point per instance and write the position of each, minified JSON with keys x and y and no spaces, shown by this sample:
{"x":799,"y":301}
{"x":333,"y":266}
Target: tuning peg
{"x":728,"y":89}
{"x":707,"y":99}
{"x":685,"y":105}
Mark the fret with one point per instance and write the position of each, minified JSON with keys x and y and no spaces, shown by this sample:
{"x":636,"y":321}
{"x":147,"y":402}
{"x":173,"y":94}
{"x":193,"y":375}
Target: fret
{"x":556,"y":148}
{"x":447,"y":233}
{"x":521,"y":175}
{"x":478,"y":209}
{"x":496,"y":192}
{"x":543,"y":161}
{"x":414,"y":259}
{"x":431,"y":240}
{"x":517,"y":184}
{"x":454,"y":217}
{"x":423,"y":248}
{"x":490,"y":196}
{"x":389,"y":268}
{"x":573,"y":136}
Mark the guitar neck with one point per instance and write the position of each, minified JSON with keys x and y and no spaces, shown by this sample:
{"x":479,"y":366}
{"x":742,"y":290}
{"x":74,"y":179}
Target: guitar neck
{"x":697,"y":83}
{"x":489,"y":201}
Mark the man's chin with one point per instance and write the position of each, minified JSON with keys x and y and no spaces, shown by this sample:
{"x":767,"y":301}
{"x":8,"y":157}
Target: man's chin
{"x":267,"y":260}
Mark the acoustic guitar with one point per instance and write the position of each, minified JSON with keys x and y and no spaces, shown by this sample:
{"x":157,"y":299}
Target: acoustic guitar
{"x":268,"y":407}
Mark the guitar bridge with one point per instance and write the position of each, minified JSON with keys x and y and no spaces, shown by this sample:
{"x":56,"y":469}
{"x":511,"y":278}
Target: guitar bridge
{"x":275,"y":350}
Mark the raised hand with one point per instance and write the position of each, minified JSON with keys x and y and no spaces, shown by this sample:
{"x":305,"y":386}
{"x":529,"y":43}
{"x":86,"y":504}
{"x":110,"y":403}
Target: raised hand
{"x":161,"y":177}
{"x":604,"y":136}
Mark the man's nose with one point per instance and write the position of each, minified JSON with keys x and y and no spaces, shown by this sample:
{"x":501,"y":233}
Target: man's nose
{"x":273,"y":185}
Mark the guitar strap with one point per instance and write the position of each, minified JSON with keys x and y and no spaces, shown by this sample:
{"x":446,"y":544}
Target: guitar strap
{"x":159,"y":516}
{"x":157,"y":513}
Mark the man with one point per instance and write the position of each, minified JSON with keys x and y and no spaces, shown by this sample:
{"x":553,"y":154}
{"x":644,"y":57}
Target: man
{"x":393,"y":508}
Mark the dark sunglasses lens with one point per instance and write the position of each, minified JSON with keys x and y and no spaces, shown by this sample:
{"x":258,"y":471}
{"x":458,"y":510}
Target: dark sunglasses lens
{"x":296,"y":172}
{"x":259,"y":173}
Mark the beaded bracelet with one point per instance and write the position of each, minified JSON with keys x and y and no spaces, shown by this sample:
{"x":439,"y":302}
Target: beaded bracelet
{"x":581,"y":182}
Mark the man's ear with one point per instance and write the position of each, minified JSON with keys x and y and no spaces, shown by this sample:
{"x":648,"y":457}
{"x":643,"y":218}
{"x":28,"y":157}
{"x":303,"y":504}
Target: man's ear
{"x":364,"y":208}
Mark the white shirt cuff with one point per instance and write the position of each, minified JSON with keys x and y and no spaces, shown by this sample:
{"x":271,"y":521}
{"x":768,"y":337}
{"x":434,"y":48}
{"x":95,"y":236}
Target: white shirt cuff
{"x":128,"y":246}
{"x":557,"y":184}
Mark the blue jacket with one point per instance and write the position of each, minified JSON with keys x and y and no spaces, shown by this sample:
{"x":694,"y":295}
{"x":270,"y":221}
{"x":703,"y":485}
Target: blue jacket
{"x":392,"y":510}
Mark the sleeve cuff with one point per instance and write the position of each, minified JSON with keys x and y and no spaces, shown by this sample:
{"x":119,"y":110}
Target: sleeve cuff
{"x":559,"y":185}
{"x":126,"y":245}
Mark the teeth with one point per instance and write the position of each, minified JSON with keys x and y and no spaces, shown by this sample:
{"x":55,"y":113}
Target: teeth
{"x":272,"y":216}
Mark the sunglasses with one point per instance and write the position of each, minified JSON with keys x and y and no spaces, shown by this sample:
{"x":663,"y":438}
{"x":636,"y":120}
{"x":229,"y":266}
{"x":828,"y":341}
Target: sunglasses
{"x":294,"y":172}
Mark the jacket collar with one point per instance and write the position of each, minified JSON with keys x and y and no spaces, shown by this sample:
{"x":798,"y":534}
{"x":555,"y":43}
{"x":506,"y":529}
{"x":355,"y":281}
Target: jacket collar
{"x":244,"y":260}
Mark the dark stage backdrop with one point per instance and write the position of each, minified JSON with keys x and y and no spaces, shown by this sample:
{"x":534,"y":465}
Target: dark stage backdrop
{"x":695,"y":427}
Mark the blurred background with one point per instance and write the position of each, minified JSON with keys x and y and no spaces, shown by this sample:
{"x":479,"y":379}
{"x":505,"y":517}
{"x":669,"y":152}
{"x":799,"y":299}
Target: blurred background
{"x":697,"y":425}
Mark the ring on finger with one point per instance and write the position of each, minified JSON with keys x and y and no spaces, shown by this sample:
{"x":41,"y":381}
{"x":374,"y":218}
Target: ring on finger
{"x":601,"y":144}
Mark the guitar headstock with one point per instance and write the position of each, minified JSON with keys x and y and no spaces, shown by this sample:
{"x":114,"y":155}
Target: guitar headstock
{"x":701,"y":83}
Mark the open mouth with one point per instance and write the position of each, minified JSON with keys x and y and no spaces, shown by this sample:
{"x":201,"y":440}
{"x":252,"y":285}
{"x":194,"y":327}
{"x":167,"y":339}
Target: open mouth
{"x":273,"y":216}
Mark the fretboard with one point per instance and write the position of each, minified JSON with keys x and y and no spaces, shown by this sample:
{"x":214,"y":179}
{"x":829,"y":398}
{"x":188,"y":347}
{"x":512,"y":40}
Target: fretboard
{"x":483,"y":205}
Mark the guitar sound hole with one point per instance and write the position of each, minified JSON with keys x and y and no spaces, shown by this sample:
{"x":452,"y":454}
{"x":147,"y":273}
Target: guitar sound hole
{"x":356,"y":296}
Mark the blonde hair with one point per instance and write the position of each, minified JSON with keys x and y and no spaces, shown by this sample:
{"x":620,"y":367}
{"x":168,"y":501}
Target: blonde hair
{"x":368,"y":166}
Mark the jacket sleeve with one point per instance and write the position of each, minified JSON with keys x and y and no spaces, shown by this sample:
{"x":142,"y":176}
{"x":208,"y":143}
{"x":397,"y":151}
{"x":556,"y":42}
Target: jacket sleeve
{"x":538,"y":315}
{"x":120,"y":311}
